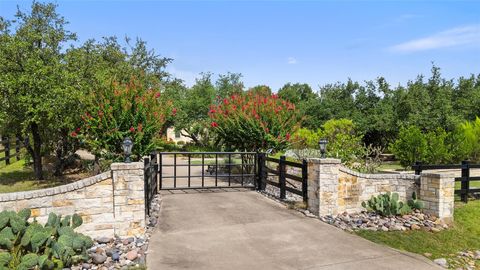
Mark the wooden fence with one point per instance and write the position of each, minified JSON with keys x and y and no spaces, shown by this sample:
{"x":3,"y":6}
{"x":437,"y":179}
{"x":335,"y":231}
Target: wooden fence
{"x":464,"y":179}
{"x":10,"y":149}
{"x":297,"y":184}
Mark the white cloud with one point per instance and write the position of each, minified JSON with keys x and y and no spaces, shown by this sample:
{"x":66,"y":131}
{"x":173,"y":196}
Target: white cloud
{"x":187,"y":76}
{"x":460,"y":36}
{"x":291,"y":60}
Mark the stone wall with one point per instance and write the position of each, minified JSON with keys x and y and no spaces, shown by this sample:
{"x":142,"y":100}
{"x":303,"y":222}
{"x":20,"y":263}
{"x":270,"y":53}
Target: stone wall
{"x":109,"y":203}
{"x":334,"y":189}
{"x":437,"y":191}
{"x":355,"y":187}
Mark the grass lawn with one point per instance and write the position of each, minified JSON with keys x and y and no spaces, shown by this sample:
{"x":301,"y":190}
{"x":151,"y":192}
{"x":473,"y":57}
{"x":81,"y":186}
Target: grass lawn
{"x":464,"y":235}
{"x":391,"y":166}
{"x":18,"y":177}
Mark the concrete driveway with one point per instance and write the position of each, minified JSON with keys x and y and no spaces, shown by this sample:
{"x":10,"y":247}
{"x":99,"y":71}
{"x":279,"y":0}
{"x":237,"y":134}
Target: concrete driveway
{"x":244,"y":230}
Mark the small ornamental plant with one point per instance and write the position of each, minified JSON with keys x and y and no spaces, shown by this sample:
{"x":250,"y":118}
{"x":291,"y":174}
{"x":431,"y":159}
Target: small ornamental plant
{"x":124,"y":110}
{"x":250,"y":122}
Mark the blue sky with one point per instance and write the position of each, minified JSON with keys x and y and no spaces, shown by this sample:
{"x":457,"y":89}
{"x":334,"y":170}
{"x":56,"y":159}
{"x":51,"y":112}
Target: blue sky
{"x":274,"y":42}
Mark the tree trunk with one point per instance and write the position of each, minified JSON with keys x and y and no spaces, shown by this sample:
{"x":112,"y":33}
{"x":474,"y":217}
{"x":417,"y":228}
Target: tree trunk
{"x":37,"y":152}
{"x":96,"y":165}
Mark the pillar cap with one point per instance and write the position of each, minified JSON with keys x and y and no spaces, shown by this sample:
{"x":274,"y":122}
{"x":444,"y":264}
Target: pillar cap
{"x":126,"y":166}
{"x":324,"y":160}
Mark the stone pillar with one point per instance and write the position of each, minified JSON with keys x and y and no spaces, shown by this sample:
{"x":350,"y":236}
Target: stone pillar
{"x":437,"y":192}
{"x":128,"y":198}
{"x":323,"y":186}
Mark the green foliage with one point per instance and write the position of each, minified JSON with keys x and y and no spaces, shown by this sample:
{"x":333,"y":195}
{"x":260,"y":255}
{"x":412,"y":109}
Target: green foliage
{"x":30,"y":245}
{"x":38,"y":96}
{"x":410,"y":146}
{"x":122,"y":110}
{"x":229,"y":84}
{"x":387,"y":204}
{"x":250,"y":122}
{"x":469,"y":138}
{"x":193,"y":112}
{"x":343,"y":141}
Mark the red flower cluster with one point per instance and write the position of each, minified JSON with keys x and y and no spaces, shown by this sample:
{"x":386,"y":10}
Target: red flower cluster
{"x":214,"y":124}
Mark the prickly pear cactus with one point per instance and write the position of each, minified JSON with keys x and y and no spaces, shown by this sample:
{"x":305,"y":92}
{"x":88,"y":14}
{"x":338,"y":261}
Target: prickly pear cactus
{"x":29,"y":245}
{"x":387,"y":204}
{"x":415,"y":203}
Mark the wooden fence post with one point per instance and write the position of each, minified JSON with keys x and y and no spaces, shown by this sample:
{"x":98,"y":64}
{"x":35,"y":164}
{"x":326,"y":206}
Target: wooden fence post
{"x":281,"y":177}
{"x":465,"y":184}
{"x":261,"y":173}
{"x":305,"y":181}
{"x":7,"y":150}
{"x":17,"y":148}
{"x":418,"y":167}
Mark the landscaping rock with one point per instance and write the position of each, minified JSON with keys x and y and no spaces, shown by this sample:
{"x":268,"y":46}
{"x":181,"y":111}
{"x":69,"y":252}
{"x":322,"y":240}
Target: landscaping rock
{"x":442,"y":262}
{"x":98,"y":258}
{"x":103,"y":240}
{"x":375,"y":222}
{"x":132,"y":255}
{"x":121,"y":253}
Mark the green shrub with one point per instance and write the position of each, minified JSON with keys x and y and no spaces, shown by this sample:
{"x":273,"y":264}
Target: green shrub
{"x":387,"y":204}
{"x":410,"y":146}
{"x":26,"y":245}
{"x":468,"y":140}
{"x":343,"y":141}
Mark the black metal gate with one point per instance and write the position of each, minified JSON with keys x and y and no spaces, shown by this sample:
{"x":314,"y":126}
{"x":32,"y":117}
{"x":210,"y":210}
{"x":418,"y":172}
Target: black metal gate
{"x":204,"y":170}
{"x":213,"y":170}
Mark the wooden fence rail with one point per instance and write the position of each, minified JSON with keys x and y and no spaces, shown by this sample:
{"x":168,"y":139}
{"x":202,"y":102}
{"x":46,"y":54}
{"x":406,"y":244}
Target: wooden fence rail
{"x":283,"y":176}
{"x":464,"y":179}
{"x":10,"y":149}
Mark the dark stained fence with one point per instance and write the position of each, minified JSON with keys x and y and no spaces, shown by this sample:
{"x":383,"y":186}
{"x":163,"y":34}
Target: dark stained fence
{"x":10,"y":149}
{"x":464,"y":179}
{"x":295,"y":183}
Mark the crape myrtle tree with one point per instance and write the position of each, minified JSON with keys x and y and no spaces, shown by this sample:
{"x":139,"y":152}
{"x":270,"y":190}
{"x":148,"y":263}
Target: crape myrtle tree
{"x":124,"y":110}
{"x":129,"y":94}
{"x":37,"y":95}
{"x":248,"y":122}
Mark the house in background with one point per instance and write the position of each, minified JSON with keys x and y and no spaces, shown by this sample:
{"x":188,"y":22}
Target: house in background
{"x":176,"y":136}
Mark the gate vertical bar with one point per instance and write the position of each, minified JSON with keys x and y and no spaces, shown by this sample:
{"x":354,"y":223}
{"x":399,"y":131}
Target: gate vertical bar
{"x":174,"y":170}
{"x":153,"y":174}
{"x":216,"y":170}
{"x":189,"y":169}
{"x":146,"y":167}
{"x":229,"y":168}
{"x":305,"y":181}
{"x":281,"y":177}
{"x":241,"y":157}
{"x":465,"y":184}
{"x":157,"y":178}
{"x":203,"y":170}
{"x":160,"y":169}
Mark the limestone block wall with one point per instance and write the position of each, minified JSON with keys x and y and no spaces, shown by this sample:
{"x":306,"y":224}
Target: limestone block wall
{"x":109,"y":203}
{"x":334,"y":189}
{"x":355,"y":187}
